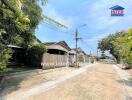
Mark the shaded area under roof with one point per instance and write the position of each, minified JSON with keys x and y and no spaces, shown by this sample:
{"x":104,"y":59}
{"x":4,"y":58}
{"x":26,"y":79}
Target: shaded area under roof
{"x":13,"y":46}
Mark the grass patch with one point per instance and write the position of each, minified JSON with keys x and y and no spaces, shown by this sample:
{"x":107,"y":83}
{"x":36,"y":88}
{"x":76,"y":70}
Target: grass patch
{"x":14,"y":69}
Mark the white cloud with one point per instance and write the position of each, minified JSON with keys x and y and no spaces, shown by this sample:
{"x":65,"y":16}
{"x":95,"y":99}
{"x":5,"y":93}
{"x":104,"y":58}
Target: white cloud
{"x":96,"y":38}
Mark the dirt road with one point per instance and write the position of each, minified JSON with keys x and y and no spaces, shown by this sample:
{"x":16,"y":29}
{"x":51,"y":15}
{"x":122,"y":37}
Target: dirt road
{"x":99,"y":83}
{"x":92,"y":82}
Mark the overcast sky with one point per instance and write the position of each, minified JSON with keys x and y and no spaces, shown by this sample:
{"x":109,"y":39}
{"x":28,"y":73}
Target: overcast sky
{"x":73,"y":13}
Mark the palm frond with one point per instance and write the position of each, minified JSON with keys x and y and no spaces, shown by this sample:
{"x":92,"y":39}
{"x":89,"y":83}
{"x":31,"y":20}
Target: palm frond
{"x":44,"y":2}
{"x":46,"y":18}
{"x":6,"y":3}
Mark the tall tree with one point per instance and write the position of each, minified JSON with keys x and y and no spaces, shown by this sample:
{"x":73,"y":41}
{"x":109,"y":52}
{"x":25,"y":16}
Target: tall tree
{"x":18,"y":21}
{"x":124,"y":46}
{"x":106,"y":44}
{"x":119,"y":45}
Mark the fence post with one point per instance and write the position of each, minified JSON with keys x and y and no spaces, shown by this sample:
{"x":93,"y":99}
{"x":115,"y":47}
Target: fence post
{"x":84,"y":59}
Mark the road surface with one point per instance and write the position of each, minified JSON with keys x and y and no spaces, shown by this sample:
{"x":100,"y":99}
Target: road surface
{"x":101,"y":82}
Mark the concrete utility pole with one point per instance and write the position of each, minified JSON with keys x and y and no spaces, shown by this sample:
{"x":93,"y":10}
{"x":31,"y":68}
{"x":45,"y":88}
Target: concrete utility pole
{"x":90,"y":56}
{"x":90,"y":53}
{"x":97,"y":54}
{"x":76,"y":39}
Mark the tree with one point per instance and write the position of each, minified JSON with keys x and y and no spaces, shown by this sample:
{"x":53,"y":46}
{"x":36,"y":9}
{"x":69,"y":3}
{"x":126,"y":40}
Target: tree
{"x":103,"y":55}
{"x":35,"y":54}
{"x":4,"y":56}
{"x":119,"y":45}
{"x":18,"y":21}
{"x":13,"y":22}
{"x":106,"y":44}
{"x":124,"y":46}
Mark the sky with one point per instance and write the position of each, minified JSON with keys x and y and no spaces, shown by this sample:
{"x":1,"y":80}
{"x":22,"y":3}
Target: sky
{"x":74,"y":13}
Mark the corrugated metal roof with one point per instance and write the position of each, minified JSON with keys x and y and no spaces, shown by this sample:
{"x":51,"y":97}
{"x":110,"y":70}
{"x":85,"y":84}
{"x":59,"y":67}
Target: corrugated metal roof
{"x":61,"y":43}
{"x":13,"y":46}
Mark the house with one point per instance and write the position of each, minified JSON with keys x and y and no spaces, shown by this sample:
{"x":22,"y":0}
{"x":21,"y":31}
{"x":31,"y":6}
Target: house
{"x":57,"y":55}
{"x":82,"y":57}
{"x":72,"y":57}
{"x":60,"y":47}
{"x":117,"y":11}
{"x":17,"y":56}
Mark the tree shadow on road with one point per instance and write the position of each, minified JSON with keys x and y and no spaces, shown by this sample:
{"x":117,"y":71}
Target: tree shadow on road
{"x":126,"y":82}
{"x":10,"y":85}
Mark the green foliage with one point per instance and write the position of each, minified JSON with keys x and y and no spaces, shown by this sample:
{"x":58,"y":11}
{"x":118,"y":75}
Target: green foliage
{"x":5,"y":54}
{"x":17,"y":25}
{"x":14,"y":69}
{"x":54,"y":22}
{"x":18,"y":21}
{"x":34,"y":12}
{"x":19,"y":18}
{"x":119,"y":45}
{"x":106,"y":44}
{"x":102,"y":55}
{"x":124,"y":46}
{"x":76,"y":65}
{"x":13,"y":21}
{"x":92,"y":58}
{"x":35,"y":54}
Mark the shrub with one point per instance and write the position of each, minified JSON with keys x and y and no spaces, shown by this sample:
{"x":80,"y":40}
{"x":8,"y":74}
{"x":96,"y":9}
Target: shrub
{"x":5,"y":54}
{"x":34,"y":55}
{"x":128,"y":62}
{"x":92,"y":59}
{"x":76,"y":65}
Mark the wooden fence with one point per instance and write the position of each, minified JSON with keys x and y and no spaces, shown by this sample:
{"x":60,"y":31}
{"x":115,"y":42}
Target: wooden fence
{"x":53,"y":61}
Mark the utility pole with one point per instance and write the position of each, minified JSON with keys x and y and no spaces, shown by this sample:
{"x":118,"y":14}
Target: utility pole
{"x":97,"y":54}
{"x":90,"y":53}
{"x":76,"y":39}
{"x":90,"y":57}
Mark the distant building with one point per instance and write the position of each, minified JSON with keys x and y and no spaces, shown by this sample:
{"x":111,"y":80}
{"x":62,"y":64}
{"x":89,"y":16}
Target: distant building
{"x":60,"y":47}
{"x":82,"y":57}
{"x":57,"y":55}
{"x":18,"y":56}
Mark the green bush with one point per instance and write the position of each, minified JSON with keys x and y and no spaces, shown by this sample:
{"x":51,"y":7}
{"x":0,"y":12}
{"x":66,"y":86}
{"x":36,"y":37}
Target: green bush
{"x":5,"y":54}
{"x":128,"y":61}
{"x":34,"y":55}
{"x":76,"y":65}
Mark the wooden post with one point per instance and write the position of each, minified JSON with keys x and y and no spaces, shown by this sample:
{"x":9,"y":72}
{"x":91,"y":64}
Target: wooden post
{"x":67,"y":64}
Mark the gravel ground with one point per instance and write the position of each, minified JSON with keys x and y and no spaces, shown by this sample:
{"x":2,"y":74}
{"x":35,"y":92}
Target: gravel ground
{"x":126,"y":80}
{"x":130,"y":72}
{"x":16,"y":84}
{"x":98,"y":83}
